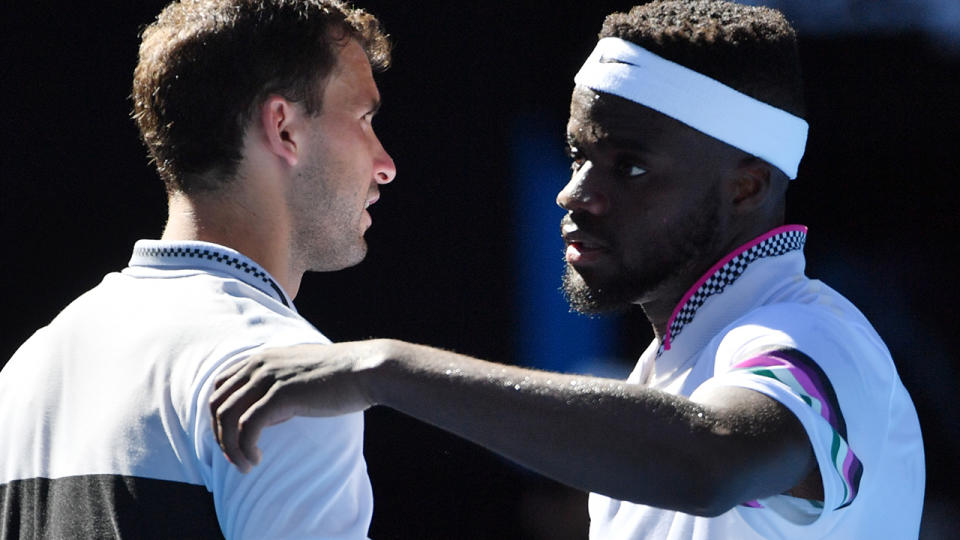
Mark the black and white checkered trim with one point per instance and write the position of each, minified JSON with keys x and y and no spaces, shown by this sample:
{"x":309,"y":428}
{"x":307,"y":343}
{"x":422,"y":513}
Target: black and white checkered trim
{"x":212,"y":255}
{"x":779,"y":244}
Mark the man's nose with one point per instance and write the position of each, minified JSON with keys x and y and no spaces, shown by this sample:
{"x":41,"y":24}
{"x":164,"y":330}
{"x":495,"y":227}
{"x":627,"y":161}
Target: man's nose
{"x":583,"y":192}
{"x":384,"y":169}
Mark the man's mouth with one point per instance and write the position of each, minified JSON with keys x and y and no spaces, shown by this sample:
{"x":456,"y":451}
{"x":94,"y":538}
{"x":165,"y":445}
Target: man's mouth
{"x":582,"y":248}
{"x":583,"y":253}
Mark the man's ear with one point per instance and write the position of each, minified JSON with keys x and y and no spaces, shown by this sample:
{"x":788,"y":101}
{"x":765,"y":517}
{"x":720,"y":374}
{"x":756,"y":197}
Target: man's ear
{"x":751,"y":186}
{"x":282,"y":124}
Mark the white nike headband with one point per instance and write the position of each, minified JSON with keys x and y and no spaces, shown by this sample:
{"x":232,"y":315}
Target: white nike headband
{"x":627,"y":70}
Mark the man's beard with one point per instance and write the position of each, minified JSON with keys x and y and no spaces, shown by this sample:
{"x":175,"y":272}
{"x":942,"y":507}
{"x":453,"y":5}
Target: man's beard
{"x":686,"y":248}
{"x":325,"y":233}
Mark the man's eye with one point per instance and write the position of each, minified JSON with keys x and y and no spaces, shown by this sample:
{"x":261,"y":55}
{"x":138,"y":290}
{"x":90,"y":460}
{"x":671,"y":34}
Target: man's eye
{"x":629,"y":169}
{"x":577,"y":158}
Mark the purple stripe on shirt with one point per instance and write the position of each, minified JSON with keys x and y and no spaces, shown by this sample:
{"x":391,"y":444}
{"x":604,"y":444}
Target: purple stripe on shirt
{"x":852,"y":470}
{"x":815,"y":384}
{"x":808,"y":380}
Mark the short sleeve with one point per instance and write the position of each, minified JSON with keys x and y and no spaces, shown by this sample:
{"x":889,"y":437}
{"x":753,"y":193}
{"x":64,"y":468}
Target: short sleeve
{"x":776,"y":363}
{"x":312,"y":481}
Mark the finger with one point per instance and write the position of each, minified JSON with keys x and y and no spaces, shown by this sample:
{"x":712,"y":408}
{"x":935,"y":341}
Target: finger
{"x":228,"y":383}
{"x":228,"y":373}
{"x":267,"y":411}
{"x":227,"y":388}
{"x":227,"y":416}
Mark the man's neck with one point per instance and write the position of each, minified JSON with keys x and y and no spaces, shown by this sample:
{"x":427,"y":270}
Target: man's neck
{"x":226,"y":219}
{"x":659,"y":310}
{"x":660,"y":306}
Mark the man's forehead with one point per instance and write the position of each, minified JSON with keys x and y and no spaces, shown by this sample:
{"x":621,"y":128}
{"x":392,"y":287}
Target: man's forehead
{"x":601,"y":118}
{"x":352,"y":76}
{"x":596,"y":117}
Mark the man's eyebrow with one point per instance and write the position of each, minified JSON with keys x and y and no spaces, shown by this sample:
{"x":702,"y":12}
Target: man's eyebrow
{"x":624,"y":143}
{"x":617,"y":142}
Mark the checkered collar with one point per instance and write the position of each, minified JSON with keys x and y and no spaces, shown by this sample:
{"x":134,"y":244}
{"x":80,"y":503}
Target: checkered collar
{"x":207,"y":256}
{"x":704,"y":307}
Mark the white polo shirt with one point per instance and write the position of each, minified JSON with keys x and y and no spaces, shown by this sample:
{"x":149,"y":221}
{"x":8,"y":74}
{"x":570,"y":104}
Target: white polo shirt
{"x":106,"y":427}
{"x":756,"y":321}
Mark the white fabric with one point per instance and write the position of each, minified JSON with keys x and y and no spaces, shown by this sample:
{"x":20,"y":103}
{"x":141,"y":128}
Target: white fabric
{"x":123,"y":376}
{"x":774,"y":303}
{"x":627,"y":70}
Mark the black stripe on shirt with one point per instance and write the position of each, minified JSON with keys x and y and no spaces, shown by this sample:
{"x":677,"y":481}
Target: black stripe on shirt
{"x":106,"y":506}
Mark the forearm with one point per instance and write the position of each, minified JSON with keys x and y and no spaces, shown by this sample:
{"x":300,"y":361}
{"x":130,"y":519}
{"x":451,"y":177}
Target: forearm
{"x":599,"y":435}
{"x":703,"y":455}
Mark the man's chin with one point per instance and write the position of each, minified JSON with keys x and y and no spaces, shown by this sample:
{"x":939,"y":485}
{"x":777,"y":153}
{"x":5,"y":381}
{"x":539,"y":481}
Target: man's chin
{"x":592,"y":300}
{"x":339,"y":259}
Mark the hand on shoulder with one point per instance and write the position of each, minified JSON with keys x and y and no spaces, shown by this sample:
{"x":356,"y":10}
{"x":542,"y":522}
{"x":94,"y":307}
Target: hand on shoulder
{"x":274,"y":385}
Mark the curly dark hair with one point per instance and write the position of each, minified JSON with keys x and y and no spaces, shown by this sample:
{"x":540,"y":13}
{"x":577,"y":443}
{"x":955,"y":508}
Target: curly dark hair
{"x":750,"y":49}
{"x":206,"y":65}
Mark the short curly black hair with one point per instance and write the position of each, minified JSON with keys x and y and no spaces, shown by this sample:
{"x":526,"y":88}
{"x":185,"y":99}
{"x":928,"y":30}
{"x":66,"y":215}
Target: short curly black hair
{"x":206,"y":65}
{"x":751,"y":49}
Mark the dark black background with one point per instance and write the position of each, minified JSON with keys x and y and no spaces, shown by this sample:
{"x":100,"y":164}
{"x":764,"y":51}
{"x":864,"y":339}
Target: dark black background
{"x":876,"y":188}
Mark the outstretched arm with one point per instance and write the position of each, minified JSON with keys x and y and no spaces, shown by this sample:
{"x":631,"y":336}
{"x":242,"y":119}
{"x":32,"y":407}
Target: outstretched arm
{"x":702,"y":455}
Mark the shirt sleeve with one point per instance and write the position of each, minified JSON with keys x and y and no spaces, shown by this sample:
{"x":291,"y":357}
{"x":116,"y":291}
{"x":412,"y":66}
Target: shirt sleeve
{"x":803,"y":367}
{"x":311,"y":483}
